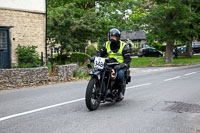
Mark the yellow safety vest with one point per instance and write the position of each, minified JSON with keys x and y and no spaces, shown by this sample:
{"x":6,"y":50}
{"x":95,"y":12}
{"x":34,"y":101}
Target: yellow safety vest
{"x":118,"y":56}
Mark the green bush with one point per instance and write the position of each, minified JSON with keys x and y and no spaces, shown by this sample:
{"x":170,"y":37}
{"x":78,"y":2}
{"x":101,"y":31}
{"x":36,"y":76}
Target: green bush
{"x":162,"y":48}
{"x":158,"y":46}
{"x":27,"y":56}
{"x":135,"y":51}
{"x":81,"y":73}
{"x":79,"y":57}
{"x":91,"y":50}
{"x":61,"y":59}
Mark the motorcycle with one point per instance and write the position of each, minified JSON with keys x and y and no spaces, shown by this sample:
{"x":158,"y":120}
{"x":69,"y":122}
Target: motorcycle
{"x":103,"y":85}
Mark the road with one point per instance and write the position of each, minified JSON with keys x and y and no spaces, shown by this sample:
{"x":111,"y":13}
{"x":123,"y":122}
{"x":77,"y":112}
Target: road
{"x":158,"y":100}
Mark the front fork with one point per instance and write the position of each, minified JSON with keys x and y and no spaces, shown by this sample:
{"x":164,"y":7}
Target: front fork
{"x":104,"y":84}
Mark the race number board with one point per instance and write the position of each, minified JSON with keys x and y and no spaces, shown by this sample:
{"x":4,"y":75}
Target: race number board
{"x":99,"y":63}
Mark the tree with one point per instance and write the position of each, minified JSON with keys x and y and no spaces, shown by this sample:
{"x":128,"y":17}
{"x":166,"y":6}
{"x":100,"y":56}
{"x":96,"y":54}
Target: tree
{"x":113,"y":14}
{"x":71,"y":23}
{"x":194,"y":25}
{"x":69,"y":26}
{"x":166,"y":21}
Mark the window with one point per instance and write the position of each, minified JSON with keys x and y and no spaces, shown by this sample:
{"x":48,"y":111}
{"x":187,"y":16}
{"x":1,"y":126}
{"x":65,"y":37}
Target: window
{"x":152,"y":50}
{"x":146,"y":50}
{"x":3,"y":40}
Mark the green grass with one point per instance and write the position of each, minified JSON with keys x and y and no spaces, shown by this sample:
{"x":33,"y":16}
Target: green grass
{"x":153,"y":61}
{"x":142,"y":61}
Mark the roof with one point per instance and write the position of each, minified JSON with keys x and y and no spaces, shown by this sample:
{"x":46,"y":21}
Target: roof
{"x":135,"y":35}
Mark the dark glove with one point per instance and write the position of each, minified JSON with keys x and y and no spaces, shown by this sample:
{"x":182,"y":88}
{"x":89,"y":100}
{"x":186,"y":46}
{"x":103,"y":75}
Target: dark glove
{"x":91,"y":59}
{"x":121,"y":65}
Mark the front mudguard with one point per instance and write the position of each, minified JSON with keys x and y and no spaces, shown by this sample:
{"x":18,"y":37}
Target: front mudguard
{"x":96,"y":74}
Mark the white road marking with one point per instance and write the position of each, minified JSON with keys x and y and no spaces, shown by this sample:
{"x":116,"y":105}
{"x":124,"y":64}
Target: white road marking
{"x":172,"y":78}
{"x":56,"y":105}
{"x":40,"y":109}
{"x":131,"y":87}
{"x":190,"y":73}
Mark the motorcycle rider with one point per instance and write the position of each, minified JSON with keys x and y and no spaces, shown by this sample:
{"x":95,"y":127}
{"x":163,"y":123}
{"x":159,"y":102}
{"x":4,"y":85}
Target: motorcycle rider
{"x":115,"y":48}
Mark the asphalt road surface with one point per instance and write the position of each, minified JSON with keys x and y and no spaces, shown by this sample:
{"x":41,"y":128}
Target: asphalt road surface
{"x":158,"y":100}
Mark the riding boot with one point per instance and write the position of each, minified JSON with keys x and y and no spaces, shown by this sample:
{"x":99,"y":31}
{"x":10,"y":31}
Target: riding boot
{"x":121,"y":90}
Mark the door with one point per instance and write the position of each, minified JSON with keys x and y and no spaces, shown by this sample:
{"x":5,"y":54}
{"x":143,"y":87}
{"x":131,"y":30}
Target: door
{"x":152,"y":52}
{"x":147,"y":52}
{"x":5,"y":55}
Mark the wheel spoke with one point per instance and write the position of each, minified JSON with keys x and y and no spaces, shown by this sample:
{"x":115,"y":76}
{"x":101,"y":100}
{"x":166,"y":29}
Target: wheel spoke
{"x":94,"y":98}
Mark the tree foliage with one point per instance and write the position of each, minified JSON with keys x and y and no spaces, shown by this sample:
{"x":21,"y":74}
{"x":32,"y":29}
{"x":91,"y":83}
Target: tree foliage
{"x":167,"y":21}
{"x":71,"y":26}
{"x":72,"y":23}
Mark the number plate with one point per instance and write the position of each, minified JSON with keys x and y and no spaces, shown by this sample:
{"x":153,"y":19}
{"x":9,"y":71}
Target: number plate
{"x":99,"y":63}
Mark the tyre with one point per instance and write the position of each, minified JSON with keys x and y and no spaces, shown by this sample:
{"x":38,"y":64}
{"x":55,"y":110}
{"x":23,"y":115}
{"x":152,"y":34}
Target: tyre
{"x":92,"y":95}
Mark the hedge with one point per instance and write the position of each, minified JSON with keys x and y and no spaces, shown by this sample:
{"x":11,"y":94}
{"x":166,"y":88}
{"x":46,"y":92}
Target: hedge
{"x":72,"y":57}
{"x":91,"y":50}
{"x":79,"y":57}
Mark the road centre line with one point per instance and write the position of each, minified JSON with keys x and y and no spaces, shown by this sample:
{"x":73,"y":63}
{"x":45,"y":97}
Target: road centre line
{"x":190,"y":73}
{"x":39,"y":109}
{"x":131,"y":87}
{"x":172,"y":78}
{"x":56,"y":105}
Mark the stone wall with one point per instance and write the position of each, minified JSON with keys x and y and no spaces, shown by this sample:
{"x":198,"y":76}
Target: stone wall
{"x":21,"y":77}
{"x":28,"y":28}
{"x":24,"y":77}
{"x":63,"y":73}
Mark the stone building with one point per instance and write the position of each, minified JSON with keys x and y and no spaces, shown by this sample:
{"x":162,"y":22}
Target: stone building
{"x":21,"y":22}
{"x":138,"y":36}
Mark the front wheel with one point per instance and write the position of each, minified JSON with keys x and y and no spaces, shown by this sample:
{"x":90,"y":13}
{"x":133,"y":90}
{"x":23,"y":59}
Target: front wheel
{"x":92,"y":95}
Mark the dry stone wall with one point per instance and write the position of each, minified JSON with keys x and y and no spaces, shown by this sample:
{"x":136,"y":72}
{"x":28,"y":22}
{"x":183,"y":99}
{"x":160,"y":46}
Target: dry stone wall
{"x":63,"y":73}
{"x":25,"y":77}
{"x":20,"y":77}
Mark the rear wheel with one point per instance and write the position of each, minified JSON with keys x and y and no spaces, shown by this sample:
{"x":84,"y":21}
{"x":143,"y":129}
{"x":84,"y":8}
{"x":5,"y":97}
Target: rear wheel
{"x":92,"y":96}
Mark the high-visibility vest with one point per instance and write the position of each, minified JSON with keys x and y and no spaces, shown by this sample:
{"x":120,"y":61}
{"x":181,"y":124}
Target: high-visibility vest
{"x":118,"y":56}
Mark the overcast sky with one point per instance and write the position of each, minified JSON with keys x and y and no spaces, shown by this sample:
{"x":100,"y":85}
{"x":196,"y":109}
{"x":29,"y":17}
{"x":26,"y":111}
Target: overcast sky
{"x":33,"y":5}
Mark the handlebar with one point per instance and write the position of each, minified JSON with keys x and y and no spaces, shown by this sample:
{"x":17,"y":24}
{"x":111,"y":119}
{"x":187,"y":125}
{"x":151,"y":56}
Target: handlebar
{"x":108,"y":60}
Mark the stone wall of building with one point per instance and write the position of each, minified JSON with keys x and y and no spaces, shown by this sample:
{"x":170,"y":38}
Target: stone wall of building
{"x":26,"y":77}
{"x":28,"y":28}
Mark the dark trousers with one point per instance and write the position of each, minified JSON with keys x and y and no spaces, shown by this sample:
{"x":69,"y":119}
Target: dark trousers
{"x":121,"y":76}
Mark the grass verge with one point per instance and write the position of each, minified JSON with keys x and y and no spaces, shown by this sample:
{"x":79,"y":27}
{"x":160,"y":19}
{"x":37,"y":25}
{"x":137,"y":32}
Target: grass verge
{"x":153,"y":61}
{"x":83,"y":73}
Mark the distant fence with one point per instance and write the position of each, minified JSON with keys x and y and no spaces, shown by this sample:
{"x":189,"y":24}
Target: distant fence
{"x":24,"y":77}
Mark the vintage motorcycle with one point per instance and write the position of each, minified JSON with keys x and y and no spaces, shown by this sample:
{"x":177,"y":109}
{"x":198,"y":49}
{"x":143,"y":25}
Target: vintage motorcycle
{"x":103,"y":85}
